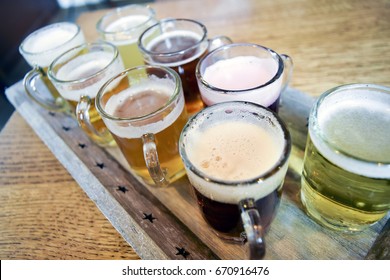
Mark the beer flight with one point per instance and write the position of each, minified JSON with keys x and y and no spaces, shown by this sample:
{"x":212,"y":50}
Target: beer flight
{"x":177,"y":103}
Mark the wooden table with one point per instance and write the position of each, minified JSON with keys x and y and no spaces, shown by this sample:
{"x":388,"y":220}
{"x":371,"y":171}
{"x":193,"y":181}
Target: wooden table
{"x":44,"y":212}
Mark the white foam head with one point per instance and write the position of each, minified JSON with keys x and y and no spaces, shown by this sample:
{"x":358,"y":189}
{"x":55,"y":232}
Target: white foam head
{"x":126,"y":30}
{"x":85,"y":74}
{"x":241,"y":78}
{"x":229,"y":152}
{"x":352,"y":130}
{"x":178,"y":33}
{"x":130,"y":130}
{"x":44,"y":45}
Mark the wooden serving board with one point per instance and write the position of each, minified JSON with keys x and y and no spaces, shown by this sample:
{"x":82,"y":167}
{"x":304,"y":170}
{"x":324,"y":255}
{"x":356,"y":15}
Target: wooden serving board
{"x":164,"y":223}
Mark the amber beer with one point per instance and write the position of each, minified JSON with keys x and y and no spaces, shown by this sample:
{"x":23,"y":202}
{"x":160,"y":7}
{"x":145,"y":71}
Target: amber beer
{"x":134,"y":104}
{"x":235,"y":151}
{"x":345,"y":179}
{"x":79,"y":74}
{"x":178,"y":44}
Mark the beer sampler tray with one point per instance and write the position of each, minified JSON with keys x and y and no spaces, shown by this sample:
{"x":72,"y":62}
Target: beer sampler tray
{"x":164,"y":223}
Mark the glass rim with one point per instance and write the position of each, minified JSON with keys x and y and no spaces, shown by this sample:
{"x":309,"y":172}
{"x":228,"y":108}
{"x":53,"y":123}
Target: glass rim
{"x":22,"y":49}
{"x":115,"y":12}
{"x":170,"y":54}
{"x":173,"y":97}
{"x":282,"y":160}
{"x":53,"y":77}
{"x":274,"y":55}
{"x":315,"y":128}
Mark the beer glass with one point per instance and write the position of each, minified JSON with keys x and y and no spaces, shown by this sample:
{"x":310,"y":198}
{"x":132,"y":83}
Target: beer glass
{"x":244,"y":72}
{"x":39,"y":49}
{"x":78,"y":75}
{"x":236,"y":157}
{"x":123,"y":26}
{"x":143,"y":107}
{"x":346,"y":173}
{"x":179,"y":44}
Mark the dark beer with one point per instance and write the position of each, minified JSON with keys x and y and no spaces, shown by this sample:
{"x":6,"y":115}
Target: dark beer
{"x":181,"y":51}
{"x":226,"y":217}
{"x":234,"y":152}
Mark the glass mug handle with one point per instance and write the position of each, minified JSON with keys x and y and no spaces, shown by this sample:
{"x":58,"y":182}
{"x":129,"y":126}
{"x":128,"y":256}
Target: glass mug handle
{"x":288,"y":69}
{"x":30,"y":85}
{"x":254,"y":230}
{"x":82,"y":113}
{"x":218,"y":41}
{"x":152,"y":162}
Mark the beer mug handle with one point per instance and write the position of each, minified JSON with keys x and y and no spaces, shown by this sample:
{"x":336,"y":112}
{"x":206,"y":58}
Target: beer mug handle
{"x":218,"y":41}
{"x":254,"y":230}
{"x":82,"y":113}
{"x":32,"y":90}
{"x":288,"y":69}
{"x":152,"y":162}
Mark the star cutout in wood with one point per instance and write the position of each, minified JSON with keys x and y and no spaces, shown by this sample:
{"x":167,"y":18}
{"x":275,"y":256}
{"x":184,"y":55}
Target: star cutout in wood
{"x":52,"y":114}
{"x":82,"y":146}
{"x":182,"y":251}
{"x":101,"y":165}
{"x":122,"y":189}
{"x":66,"y":128}
{"x":149,"y":217}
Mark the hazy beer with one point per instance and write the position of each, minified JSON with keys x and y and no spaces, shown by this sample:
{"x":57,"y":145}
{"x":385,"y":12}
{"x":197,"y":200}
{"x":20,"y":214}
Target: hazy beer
{"x":346,"y":175}
{"x":78,"y":75}
{"x":134,"y":105}
{"x":236,"y":153}
{"x":243,"y":72}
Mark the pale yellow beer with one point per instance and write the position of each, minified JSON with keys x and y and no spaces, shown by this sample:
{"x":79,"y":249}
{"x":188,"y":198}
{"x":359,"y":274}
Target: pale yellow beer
{"x":134,"y":105}
{"x":39,"y":49}
{"x":123,"y":26}
{"x":346,"y":174}
{"x":81,"y":72}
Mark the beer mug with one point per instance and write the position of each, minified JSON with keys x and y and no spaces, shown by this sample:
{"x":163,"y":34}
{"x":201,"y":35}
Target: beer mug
{"x":236,"y":157}
{"x":123,"y":26}
{"x":244,"y":72}
{"x":179,"y":44}
{"x":78,"y":75}
{"x":39,"y":49}
{"x":143,"y":107}
{"x":346,"y":174}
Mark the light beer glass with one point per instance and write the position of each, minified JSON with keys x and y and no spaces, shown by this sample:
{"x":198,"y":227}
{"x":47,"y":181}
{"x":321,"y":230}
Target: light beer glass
{"x":144,"y":109}
{"x":39,"y":49}
{"x":78,"y":75}
{"x":179,"y":44}
{"x":244,"y":72}
{"x":123,"y":26}
{"x":236,"y":158}
{"x":346,"y":174}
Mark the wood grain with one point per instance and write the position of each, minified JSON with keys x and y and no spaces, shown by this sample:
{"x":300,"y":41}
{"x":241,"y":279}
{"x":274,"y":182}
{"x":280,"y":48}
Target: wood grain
{"x":45,"y":214}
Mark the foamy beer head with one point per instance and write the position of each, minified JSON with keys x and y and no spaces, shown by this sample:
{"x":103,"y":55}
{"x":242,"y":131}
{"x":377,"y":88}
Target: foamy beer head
{"x":42,"y":46}
{"x":241,"y":72}
{"x":235,"y":150}
{"x":146,"y":100}
{"x":124,"y":25}
{"x":179,"y":44}
{"x":84,"y":69}
{"x":173,"y":42}
{"x":350,"y":127}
